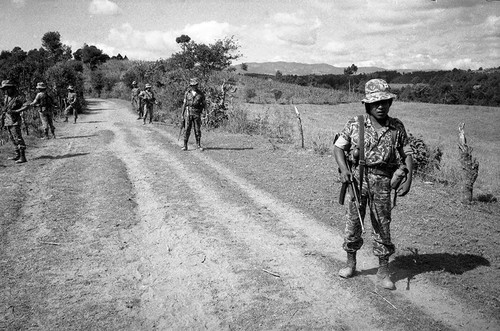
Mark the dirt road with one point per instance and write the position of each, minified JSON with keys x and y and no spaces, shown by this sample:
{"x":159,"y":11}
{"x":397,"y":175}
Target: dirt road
{"x":112,"y":227}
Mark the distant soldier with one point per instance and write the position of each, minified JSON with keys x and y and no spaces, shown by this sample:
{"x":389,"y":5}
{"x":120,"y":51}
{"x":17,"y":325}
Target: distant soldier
{"x":148,"y":100}
{"x":135,"y":100}
{"x":14,"y":104}
{"x":193,"y":106}
{"x":45,"y":105}
{"x":71,"y":104}
{"x":373,"y":141}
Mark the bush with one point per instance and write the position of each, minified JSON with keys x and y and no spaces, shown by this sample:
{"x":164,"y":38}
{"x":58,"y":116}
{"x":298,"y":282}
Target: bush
{"x":426,"y":160}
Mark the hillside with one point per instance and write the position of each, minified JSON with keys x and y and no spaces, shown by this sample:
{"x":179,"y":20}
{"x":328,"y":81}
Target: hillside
{"x":300,"y":69}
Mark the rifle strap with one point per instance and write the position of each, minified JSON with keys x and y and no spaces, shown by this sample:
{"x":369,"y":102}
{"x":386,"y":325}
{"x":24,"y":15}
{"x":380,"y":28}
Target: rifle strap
{"x":361,"y":145}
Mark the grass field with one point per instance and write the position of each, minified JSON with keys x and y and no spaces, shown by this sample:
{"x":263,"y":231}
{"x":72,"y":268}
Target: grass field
{"x":436,"y":124}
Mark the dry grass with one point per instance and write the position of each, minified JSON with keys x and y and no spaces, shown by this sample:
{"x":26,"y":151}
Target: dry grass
{"x":436,"y":124}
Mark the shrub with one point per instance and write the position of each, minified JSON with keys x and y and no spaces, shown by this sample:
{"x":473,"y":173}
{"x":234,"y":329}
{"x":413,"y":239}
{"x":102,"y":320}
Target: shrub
{"x":426,"y":160}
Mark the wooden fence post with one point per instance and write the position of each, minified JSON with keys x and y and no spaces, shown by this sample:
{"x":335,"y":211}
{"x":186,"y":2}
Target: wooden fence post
{"x":470,"y":166}
{"x":301,"y":131}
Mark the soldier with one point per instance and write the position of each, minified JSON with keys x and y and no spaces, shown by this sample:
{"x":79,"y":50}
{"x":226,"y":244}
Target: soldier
{"x":135,"y":100}
{"x":14,"y":105}
{"x":148,"y":100}
{"x":45,"y":105}
{"x":71,"y":104}
{"x":193,"y":106}
{"x":376,"y":161}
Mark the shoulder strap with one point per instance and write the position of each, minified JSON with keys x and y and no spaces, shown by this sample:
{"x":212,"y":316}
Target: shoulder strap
{"x":361,"y":143}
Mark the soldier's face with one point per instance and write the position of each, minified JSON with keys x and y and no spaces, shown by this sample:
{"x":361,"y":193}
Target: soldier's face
{"x":380,"y":109}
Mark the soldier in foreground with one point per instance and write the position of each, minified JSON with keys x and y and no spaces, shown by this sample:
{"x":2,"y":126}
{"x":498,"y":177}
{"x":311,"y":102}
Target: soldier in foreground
{"x":45,"y":105}
{"x":148,"y":101}
{"x":193,"y":106}
{"x":135,"y":100}
{"x":14,"y":104}
{"x":71,"y":104}
{"x":373,"y":142}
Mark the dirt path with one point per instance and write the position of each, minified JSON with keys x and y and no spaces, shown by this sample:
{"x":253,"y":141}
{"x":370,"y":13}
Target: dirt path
{"x":112,"y":227}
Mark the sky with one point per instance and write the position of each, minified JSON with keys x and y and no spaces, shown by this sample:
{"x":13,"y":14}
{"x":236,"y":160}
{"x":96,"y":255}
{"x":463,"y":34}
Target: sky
{"x":391,"y":34}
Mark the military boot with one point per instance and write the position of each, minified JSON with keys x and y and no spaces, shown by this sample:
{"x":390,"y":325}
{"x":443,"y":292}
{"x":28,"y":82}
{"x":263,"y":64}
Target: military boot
{"x":198,"y":143}
{"x":22,"y":156}
{"x":185,"y":147}
{"x":46,"y":134}
{"x":350,"y":268}
{"x":66,"y":119}
{"x":53,"y":134}
{"x":17,"y":157}
{"x":384,"y":275}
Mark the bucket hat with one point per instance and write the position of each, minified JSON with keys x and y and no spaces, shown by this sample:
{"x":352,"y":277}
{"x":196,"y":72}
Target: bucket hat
{"x":41,"y":86}
{"x":376,"y":90}
{"x":134,"y":83}
{"x":193,"y":82}
{"x":147,"y":86}
{"x":71,"y":87}
{"x":7,"y":83}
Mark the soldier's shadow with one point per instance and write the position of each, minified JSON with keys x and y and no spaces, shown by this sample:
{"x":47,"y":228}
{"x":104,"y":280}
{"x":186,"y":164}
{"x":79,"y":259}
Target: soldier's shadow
{"x":75,"y":137}
{"x":57,"y":157}
{"x":406,"y":267}
{"x":227,"y":148}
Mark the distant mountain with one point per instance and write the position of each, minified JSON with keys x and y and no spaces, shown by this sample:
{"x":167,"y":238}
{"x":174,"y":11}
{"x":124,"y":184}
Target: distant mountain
{"x":299,"y":69}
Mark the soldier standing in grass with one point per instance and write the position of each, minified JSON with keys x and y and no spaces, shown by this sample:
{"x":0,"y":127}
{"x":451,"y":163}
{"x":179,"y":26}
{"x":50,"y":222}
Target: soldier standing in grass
{"x":384,"y":139}
{"x":45,"y":105}
{"x":71,"y":104}
{"x":14,"y":104}
{"x":148,"y":100}
{"x":135,"y":100}
{"x":193,"y":106}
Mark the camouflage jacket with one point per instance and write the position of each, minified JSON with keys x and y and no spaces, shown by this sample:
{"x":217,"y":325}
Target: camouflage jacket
{"x":148,"y":97}
{"x":134,"y":94}
{"x":381,"y":146}
{"x":10,"y":116}
{"x":195,"y":102}
{"x":44,"y":102}
{"x":71,"y":99}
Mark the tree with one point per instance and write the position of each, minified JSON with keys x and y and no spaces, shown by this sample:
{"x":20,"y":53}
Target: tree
{"x":92,"y":56}
{"x":51,"y":42}
{"x":350,"y":71}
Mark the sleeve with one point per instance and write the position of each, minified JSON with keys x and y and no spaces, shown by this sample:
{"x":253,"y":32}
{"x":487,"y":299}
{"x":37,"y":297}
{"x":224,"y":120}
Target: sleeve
{"x":403,"y":141}
{"x":344,"y":139}
{"x":36,"y":101}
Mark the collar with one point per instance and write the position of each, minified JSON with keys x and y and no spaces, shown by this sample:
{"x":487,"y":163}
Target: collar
{"x":390,"y":122}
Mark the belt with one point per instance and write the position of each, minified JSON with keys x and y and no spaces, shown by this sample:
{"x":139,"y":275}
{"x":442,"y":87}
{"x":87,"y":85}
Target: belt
{"x":380,"y":170}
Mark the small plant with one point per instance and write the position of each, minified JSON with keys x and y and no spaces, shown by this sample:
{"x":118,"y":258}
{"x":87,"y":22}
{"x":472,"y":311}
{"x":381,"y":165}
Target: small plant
{"x":426,"y":160}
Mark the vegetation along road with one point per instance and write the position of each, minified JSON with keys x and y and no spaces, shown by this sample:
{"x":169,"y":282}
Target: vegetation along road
{"x":112,"y":227}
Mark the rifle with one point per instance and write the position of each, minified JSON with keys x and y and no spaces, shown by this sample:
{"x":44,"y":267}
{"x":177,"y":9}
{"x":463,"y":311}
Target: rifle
{"x":23,"y":115}
{"x":183,"y":125}
{"x":353,"y":188}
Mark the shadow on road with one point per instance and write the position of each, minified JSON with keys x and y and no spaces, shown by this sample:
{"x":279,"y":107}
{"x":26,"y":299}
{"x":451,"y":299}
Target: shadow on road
{"x":409,"y":266}
{"x":56,"y":157}
{"x":76,"y":137}
{"x":227,"y":148}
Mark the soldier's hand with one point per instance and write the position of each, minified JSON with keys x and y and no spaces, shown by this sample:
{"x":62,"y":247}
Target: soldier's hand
{"x":404,"y":188}
{"x":346,"y":177}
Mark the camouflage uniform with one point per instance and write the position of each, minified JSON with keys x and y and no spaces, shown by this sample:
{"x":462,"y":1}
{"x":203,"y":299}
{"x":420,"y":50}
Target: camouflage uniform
{"x":45,"y":104}
{"x":11,"y":120}
{"x":193,"y":105}
{"x":135,"y":100}
{"x":381,"y":162}
{"x":71,"y":102}
{"x":384,"y":139}
{"x":148,"y":100}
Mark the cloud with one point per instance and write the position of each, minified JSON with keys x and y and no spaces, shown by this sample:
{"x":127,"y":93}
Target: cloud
{"x":154,"y":44}
{"x":19,"y":3}
{"x":104,"y":7}
{"x":292,"y":29}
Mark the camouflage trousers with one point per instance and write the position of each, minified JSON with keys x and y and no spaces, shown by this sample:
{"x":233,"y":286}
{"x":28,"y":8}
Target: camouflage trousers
{"x":376,"y":193}
{"x":148,"y":111}
{"x":193,"y":121}
{"x":47,"y":122}
{"x":71,"y":110}
{"x":16,"y":136}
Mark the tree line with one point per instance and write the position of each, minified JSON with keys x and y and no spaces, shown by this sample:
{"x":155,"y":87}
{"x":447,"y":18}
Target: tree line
{"x":481,"y":87}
